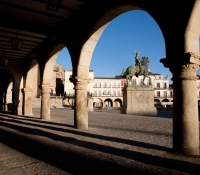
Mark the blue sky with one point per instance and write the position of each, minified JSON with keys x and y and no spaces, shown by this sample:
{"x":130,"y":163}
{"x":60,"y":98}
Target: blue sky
{"x":115,"y":48}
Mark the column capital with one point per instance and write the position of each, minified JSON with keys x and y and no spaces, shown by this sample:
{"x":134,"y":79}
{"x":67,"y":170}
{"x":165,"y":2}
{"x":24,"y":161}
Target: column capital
{"x":183,"y":67}
{"x":183,"y":61}
{"x":80,"y":83}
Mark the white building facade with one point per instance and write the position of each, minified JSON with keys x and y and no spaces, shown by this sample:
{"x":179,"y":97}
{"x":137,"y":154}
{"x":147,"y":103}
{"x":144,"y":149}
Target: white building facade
{"x":108,"y":92}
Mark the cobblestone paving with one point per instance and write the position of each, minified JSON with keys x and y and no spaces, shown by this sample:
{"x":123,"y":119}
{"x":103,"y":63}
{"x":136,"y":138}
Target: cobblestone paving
{"x":114,"y":144}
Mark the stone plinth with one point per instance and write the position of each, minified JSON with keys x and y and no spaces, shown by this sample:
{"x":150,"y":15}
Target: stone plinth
{"x":139,"y":100}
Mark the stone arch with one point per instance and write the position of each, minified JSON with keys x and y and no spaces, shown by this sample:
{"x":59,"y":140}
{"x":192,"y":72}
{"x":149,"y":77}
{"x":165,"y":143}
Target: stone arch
{"x":156,"y":100}
{"x":95,"y":33}
{"x":86,"y":53}
{"x":157,"y":103}
{"x":32,"y":80}
{"x":192,"y":31}
{"x":117,"y":102}
{"x":108,"y":102}
{"x":47,"y":68}
{"x":17,"y":77}
{"x":165,"y":100}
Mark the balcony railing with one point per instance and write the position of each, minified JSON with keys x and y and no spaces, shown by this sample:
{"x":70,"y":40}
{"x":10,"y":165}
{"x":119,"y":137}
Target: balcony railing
{"x":106,"y":95}
{"x":162,"y":96}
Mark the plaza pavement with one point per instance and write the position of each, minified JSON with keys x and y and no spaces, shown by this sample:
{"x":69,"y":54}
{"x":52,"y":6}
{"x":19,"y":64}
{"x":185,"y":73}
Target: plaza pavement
{"x":114,"y":144}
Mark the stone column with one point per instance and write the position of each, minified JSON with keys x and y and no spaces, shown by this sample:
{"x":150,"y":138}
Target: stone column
{"x":185,"y":106}
{"x":27,"y":101}
{"x":45,"y":103}
{"x":16,"y":102}
{"x":81,"y":112}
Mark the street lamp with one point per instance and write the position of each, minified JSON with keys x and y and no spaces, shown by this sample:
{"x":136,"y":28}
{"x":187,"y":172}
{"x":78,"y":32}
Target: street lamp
{"x":16,"y":43}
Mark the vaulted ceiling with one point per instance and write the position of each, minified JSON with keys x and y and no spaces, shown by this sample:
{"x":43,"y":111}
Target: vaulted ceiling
{"x":32,"y":23}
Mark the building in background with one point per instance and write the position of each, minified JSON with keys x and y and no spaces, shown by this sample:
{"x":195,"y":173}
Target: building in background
{"x":69,"y":92}
{"x":108,"y":91}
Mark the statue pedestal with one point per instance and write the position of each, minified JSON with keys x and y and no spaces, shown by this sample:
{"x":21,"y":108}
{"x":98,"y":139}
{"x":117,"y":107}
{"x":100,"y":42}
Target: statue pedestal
{"x":139,"y":100}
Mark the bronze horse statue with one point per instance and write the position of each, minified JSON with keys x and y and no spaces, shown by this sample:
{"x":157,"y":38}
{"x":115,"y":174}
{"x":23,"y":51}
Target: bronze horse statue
{"x":137,"y":70}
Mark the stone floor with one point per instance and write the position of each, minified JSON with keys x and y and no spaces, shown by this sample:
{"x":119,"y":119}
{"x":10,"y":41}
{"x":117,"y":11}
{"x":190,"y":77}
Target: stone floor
{"x":113,"y":144}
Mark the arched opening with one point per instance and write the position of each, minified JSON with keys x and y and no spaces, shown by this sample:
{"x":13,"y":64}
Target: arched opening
{"x":115,"y":46}
{"x":108,"y":103}
{"x":166,"y":103}
{"x":117,"y":103}
{"x":157,"y":103}
{"x":6,"y":94}
{"x":33,"y":78}
{"x":32,"y":91}
{"x":165,"y":100}
{"x":97,"y":103}
{"x":110,"y":48}
{"x":63,"y":77}
{"x":53,"y":79}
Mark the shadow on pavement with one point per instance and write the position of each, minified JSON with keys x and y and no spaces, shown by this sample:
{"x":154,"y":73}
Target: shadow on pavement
{"x":77,"y":162}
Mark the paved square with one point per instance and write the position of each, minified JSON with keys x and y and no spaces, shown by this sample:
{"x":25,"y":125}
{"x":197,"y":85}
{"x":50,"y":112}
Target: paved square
{"x":114,"y":144}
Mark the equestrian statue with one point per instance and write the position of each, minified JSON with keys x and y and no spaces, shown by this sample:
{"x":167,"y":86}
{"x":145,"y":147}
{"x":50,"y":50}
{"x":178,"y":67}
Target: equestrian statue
{"x":140,"y":68}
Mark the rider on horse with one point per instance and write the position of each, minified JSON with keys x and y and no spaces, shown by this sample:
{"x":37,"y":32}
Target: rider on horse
{"x":138,"y":62}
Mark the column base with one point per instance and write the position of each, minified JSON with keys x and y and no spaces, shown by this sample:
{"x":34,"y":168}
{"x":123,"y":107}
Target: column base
{"x":187,"y":151}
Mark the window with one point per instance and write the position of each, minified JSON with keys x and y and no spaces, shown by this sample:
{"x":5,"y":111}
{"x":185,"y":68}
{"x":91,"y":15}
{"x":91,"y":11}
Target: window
{"x":165,"y":93}
{"x":165,"y":85}
{"x":158,"y":85}
{"x":98,"y":84}
{"x":158,"y":93}
{"x":118,"y":93}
